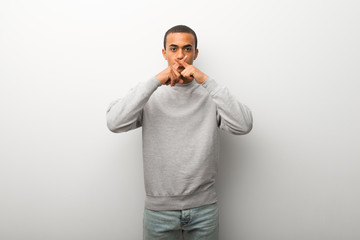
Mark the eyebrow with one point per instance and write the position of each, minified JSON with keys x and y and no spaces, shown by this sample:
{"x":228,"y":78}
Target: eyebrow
{"x":174,"y":45}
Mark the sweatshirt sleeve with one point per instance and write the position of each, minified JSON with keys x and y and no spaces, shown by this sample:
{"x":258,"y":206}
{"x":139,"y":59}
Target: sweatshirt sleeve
{"x":232,"y":116}
{"x":125,"y":113}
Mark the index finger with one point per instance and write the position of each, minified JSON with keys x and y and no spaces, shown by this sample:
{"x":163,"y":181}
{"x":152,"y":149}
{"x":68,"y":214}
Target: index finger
{"x":182,"y":61}
{"x":176,"y":65}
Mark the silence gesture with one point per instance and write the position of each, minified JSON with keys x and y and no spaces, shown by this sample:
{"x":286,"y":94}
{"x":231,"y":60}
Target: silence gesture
{"x":191,"y":72}
{"x":172,"y":75}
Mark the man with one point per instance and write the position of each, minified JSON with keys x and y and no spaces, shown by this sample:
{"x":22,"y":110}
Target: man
{"x":180,"y":110}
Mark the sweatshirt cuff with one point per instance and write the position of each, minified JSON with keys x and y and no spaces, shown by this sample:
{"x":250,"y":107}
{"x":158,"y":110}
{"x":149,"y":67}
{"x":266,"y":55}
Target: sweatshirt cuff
{"x":211,"y":85}
{"x":158,"y":83}
{"x":153,"y":83}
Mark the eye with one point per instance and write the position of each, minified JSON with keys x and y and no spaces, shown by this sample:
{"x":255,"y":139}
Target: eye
{"x":172,"y":49}
{"x":188,"y":49}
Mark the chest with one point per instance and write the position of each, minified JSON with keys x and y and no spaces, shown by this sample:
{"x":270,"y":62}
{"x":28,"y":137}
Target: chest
{"x":186,"y":110}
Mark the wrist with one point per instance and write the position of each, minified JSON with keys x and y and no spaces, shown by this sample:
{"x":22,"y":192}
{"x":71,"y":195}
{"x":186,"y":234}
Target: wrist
{"x":199,"y":76}
{"x":203,"y":78}
{"x":160,"y":78}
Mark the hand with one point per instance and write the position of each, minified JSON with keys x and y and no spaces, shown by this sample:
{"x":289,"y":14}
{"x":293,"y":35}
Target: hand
{"x":191,"y":72}
{"x":170,"y":75}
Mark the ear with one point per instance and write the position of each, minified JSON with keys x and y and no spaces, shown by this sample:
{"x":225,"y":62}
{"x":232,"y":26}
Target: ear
{"x":164,"y":54}
{"x":196,"y":53}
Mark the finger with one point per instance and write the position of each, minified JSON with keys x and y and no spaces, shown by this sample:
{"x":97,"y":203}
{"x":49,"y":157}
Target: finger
{"x":177,"y":74}
{"x":182,"y":61}
{"x":176,"y":65}
{"x":188,"y":76}
{"x":177,"y":61}
{"x":185,"y":73}
{"x":173,"y":78}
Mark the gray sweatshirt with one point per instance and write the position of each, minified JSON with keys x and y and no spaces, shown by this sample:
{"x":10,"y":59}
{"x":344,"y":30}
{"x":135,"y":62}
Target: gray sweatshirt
{"x":179,"y":137}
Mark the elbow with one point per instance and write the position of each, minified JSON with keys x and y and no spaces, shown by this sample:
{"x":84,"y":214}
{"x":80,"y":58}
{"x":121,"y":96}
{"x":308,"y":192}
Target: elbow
{"x":248,"y":123}
{"x":120,"y":126}
{"x":248,"y":128}
{"x":117,"y":129}
{"x":111,"y":126}
{"x":245,"y":129}
{"x":240,"y":129}
{"x":245,"y":123}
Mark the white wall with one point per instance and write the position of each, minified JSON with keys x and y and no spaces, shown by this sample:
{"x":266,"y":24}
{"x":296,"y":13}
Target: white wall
{"x":64,"y":175}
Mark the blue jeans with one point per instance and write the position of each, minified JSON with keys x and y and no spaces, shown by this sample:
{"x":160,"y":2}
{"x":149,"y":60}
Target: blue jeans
{"x":190,"y":224}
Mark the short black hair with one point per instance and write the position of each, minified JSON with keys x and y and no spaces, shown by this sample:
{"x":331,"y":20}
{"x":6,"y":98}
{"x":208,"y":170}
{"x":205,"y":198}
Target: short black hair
{"x":182,"y":29}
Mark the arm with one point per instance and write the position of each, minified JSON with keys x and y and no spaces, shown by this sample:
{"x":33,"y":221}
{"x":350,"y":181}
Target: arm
{"x":232,"y":116}
{"x":125,"y":113}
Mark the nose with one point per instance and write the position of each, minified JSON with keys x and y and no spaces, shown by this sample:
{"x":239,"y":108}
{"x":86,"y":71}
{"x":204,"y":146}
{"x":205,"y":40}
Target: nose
{"x":180,"y":54}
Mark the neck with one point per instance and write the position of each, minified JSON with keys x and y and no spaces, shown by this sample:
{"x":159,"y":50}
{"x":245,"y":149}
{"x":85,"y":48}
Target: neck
{"x":186,"y":80}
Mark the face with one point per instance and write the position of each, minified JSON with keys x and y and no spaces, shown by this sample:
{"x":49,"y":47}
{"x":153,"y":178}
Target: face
{"x":179,"y":45}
